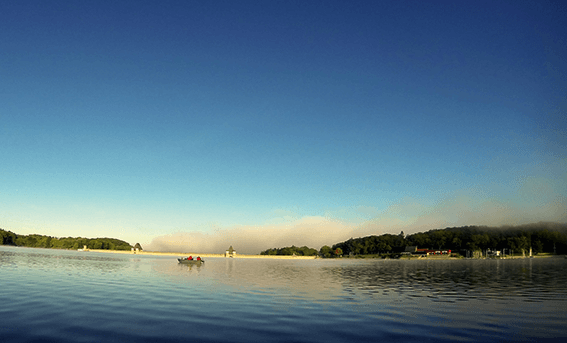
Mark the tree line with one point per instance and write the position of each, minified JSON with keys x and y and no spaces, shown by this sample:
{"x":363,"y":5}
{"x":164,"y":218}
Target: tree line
{"x":293,"y":250}
{"x":40,"y":241}
{"x":540,"y":237}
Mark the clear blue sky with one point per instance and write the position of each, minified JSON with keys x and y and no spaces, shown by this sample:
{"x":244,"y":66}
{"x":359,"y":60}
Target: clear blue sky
{"x":147,"y":119}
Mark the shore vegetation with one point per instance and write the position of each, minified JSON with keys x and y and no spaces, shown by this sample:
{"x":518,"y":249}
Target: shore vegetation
{"x":40,"y":241}
{"x":291,"y":251}
{"x":542,"y":238}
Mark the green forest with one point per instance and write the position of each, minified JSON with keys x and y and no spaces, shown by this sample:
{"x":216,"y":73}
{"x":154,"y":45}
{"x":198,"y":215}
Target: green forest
{"x":540,"y":237}
{"x":40,"y":241}
{"x":293,"y":250}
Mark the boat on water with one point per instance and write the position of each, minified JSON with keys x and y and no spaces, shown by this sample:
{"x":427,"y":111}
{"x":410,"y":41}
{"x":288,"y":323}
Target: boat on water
{"x":188,"y":261}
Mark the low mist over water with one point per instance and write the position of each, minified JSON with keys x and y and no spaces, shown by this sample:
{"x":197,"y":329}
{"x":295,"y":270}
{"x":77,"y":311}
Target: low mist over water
{"x":69,"y":296}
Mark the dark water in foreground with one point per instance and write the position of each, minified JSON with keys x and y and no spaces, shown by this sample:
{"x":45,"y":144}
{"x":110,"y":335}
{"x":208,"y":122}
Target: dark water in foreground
{"x":68,"y":296}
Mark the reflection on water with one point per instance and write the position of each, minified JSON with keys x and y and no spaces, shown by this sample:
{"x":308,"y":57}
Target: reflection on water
{"x":448,"y":280}
{"x":529,"y":279}
{"x":70,"y":296}
{"x":61,"y":261}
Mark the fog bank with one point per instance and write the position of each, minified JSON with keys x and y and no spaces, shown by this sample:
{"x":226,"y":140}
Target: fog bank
{"x":408,"y":215}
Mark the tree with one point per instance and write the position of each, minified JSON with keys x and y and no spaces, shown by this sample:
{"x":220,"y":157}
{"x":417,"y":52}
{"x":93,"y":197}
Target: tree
{"x":511,"y":244}
{"x":293,"y":250}
{"x":456,"y":242}
{"x":522,"y":243}
{"x":7,"y":237}
{"x":538,"y":247}
{"x":97,"y":244}
{"x":325,"y":251}
{"x":439,"y":237}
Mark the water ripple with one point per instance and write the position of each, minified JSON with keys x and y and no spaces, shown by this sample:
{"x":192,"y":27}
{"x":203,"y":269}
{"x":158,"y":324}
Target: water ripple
{"x":69,"y":296}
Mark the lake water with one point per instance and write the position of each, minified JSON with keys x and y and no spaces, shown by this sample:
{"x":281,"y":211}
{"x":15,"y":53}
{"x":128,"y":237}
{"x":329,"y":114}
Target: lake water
{"x":69,"y":296}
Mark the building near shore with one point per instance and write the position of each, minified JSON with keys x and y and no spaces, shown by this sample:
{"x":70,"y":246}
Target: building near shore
{"x":230,"y":252}
{"x":428,"y":252}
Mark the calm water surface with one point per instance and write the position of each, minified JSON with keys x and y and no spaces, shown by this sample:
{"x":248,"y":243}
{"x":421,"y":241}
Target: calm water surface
{"x":68,"y":296}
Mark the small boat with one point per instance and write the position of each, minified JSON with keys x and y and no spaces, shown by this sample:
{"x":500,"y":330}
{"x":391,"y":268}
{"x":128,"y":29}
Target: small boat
{"x":192,"y":262}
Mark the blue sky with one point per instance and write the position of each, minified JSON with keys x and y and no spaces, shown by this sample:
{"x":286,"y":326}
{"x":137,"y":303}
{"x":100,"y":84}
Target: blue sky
{"x":191,"y":124}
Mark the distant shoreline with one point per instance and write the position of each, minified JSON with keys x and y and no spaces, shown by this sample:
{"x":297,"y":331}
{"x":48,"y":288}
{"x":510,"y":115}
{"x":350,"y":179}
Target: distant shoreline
{"x":289,"y":257}
{"x":178,"y":254}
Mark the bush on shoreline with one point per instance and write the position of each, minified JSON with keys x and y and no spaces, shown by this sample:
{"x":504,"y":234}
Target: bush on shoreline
{"x":290,"y":251}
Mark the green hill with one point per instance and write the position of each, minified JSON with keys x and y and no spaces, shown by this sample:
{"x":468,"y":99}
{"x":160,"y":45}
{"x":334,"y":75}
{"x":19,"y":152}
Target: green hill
{"x":40,"y":241}
{"x":542,"y":237}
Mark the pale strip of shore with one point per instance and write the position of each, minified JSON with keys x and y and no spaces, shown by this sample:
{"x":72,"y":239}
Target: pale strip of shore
{"x":507,"y":257}
{"x":288,"y":257}
{"x":179,"y":254}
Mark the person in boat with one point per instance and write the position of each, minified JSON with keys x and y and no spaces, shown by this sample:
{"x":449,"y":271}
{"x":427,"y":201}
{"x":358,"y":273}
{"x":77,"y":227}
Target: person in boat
{"x":198,"y":258}
{"x":190,"y":258}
